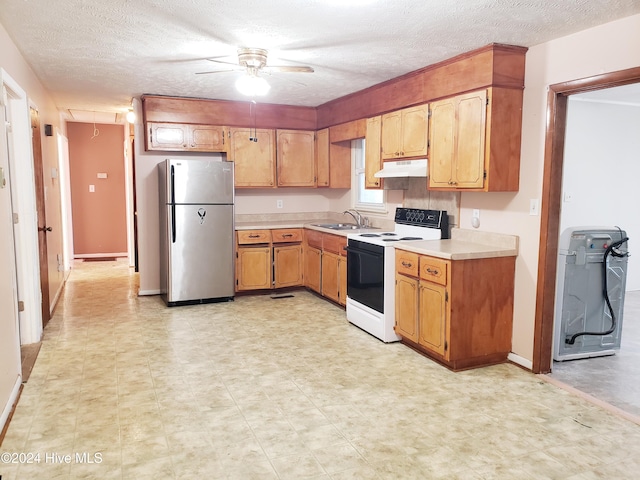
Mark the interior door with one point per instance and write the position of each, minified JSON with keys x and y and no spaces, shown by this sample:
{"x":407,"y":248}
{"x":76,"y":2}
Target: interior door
{"x":42,"y":216}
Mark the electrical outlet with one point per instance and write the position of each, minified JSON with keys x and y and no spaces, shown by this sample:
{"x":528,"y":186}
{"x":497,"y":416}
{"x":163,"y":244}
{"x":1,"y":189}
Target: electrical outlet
{"x":534,"y":206}
{"x":92,"y":188}
{"x":475,"y":218}
{"x":279,"y":204}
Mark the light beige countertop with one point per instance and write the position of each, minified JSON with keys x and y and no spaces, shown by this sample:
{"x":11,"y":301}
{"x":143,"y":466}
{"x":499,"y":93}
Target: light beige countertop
{"x":465,"y":245}
{"x":303,"y":223}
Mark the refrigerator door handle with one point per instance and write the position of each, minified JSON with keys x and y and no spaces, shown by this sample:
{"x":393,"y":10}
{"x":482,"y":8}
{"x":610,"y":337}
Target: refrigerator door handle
{"x":173,"y":206}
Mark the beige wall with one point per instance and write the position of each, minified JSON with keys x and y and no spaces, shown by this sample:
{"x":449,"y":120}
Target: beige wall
{"x":99,"y":217}
{"x":16,"y":68}
{"x":607,"y":48}
{"x":13,"y":63}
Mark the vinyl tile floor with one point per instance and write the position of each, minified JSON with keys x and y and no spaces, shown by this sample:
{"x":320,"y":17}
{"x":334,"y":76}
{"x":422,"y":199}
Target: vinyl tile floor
{"x":614,"y":379}
{"x":261,"y":388}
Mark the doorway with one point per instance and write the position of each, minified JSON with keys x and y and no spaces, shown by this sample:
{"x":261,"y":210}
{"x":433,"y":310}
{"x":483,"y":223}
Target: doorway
{"x":557,"y":105}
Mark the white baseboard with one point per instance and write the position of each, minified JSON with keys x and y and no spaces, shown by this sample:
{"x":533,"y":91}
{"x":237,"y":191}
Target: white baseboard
{"x":6,"y":411}
{"x":100,"y":255}
{"x":148,"y":292}
{"x":523,"y":362}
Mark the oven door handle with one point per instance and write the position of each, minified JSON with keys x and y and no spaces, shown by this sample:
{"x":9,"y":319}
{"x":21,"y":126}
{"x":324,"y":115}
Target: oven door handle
{"x":349,"y":249}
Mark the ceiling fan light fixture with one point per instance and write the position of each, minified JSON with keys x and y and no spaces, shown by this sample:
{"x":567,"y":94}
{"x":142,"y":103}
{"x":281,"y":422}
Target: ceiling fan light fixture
{"x":252,"y":86}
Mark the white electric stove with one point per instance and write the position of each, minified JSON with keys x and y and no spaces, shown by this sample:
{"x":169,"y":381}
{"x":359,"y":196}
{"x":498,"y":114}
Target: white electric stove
{"x":371,"y":268}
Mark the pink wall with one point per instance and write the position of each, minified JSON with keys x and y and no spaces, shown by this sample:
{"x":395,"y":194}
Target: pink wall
{"x":99,"y":217}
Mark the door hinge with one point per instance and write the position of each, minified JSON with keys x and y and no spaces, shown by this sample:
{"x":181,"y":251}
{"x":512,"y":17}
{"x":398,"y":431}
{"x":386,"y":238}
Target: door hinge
{"x":484,"y":175}
{"x":16,"y":220}
{"x":446,"y":346}
{"x":20,"y":306}
{"x":150,"y":134}
{"x":446,"y":296}
{"x":487,"y":101}
{"x":236,"y":281}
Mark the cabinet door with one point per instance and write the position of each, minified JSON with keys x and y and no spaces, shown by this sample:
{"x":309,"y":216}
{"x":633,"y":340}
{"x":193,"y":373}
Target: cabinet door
{"x":470,"y":138}
{"x":372,"y":155}
{"x":406,"y":307}
{"x":206,"y":138}
{"x":457,"y":142}
{"x":433,"y":318}
{"x":342,"y":280}
{"x":295,"y":158}
{"x":253,"y":268}
{"x":442,"y":143}
{"x":255,"y":162}
{"x":330,"y":276}
{"x":167,"y":136}
{"x":287,"y":266}
{"x":415,"y":124}
{"x":322,"y":156}
{"x":391,"y":136}
{"x":312,"y":268}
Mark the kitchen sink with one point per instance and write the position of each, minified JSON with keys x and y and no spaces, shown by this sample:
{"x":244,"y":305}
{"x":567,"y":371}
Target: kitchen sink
{"x":341,"y":226}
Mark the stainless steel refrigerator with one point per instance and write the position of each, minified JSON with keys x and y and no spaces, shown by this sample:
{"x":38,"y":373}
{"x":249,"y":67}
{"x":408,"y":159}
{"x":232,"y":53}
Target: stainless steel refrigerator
{"x":196,"y":231}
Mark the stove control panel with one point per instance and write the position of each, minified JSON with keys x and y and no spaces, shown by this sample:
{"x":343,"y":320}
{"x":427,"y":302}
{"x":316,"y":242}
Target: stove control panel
{"x":424,"y":218}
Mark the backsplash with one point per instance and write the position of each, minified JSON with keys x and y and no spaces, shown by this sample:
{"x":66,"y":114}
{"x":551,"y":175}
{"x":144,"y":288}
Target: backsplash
{"x":416,"y":195}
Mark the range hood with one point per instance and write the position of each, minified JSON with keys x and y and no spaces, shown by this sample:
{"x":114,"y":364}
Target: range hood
{"x":403,"y":168}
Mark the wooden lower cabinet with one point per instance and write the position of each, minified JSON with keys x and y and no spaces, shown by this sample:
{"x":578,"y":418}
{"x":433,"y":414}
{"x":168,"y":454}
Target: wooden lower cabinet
{"x":253,"y":268}
{"x":325,"y":265}
{"x":458,"y":312}
{"x":342,"y":280}
{"x":406,"y":307}
{"x":312,"y":268}
{"x":330,"y":281}
{"x":267,"y":259}
{"x":287,"y":266}
{"x":432,"y":322}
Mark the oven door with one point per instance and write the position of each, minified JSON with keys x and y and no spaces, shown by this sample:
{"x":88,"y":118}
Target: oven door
{"x":365,"y":274}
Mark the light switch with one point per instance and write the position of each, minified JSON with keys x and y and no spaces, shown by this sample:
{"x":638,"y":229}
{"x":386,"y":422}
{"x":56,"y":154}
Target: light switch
{"x":92,"y":188}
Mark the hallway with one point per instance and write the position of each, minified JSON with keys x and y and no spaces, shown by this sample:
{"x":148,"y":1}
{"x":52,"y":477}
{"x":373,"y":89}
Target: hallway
{"x":285,"y":388}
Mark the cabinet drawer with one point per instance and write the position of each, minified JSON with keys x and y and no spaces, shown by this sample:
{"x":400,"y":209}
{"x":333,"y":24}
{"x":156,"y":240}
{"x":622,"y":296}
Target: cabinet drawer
{"x":247,"y":237}
{"x":433,"y":270}
{"x":407,"y":263}
{"x":314,"y":238}
{"x":334,"y":243}
{"x":286,"y":235}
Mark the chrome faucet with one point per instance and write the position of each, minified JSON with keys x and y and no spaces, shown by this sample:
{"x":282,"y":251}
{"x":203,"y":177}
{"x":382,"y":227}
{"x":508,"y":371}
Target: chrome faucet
{"x":357,"y":216}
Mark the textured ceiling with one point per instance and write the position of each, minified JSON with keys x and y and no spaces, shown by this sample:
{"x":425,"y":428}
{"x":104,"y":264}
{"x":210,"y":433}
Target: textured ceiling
{"x":96,"y":55}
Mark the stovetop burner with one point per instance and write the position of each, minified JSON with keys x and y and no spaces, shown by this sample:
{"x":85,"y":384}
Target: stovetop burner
{"x":390,"y":239}
{"x":389,"y":234}
{"x":370,"y":235}
{"x":411,"y":238}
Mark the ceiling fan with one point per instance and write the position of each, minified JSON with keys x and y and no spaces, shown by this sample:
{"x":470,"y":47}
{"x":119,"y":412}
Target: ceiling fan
{"x":254,"y":61}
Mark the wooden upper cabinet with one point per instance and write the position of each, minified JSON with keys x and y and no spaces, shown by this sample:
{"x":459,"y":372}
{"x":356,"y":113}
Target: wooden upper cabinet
{"x":185,"y":137}
{"x":372,"y":154}
{"x":322,"y":157}
{"x":296,"y":166}
{"x":475,"y":141}
{"x":255,"y":161}
{"x":404,"y":133}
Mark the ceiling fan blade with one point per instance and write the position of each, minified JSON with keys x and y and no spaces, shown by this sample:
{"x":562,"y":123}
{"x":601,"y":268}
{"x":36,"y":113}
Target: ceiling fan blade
{"x":222,"y":61}
{"x":217,"y":71}
{"x":288,"y":68}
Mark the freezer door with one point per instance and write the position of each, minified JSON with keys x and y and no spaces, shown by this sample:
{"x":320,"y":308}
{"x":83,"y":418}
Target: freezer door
{"x":199,"y":181}
{"x":201,"y":263}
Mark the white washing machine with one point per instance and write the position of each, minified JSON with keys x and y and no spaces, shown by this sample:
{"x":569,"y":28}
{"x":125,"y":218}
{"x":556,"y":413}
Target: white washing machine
{"x":590,"y":288}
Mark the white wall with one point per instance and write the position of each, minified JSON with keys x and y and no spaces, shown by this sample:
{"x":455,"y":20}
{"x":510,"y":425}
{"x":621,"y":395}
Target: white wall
{"x":606,"y":48}
{"x":601,"y":171}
